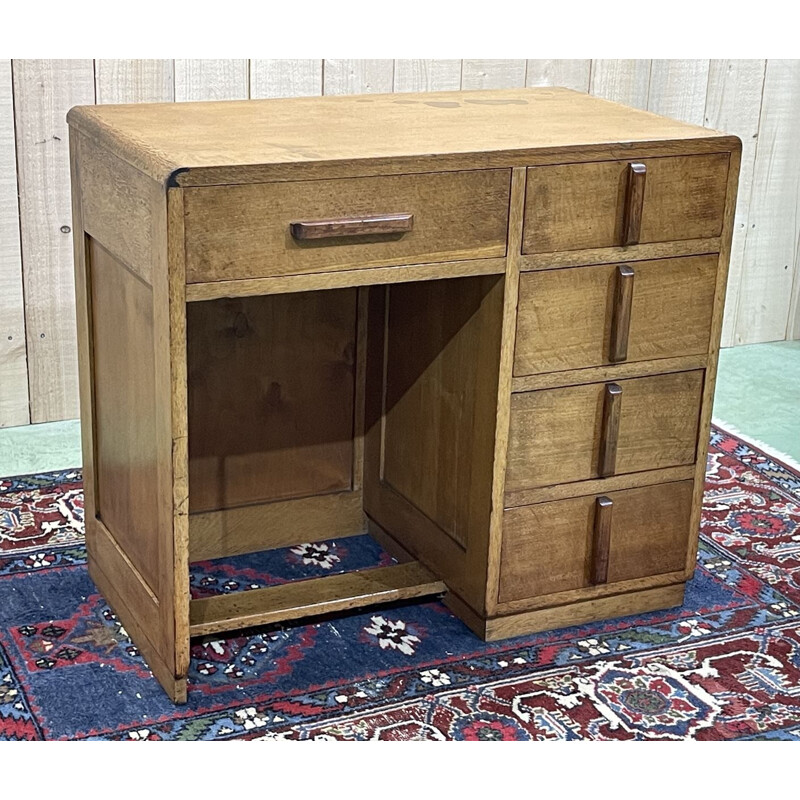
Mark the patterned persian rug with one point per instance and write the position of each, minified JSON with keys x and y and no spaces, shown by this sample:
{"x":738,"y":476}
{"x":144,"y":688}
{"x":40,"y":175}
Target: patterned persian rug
{"x":724,"y":666}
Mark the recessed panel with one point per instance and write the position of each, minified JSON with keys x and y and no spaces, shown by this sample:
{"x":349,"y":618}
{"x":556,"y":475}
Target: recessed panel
{"x":124,"y":408}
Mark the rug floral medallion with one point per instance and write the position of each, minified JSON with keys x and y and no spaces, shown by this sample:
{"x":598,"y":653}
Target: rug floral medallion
{"x":726,"y":665}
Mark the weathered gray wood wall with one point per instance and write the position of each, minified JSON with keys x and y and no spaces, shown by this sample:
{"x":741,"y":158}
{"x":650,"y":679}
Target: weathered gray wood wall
{"x":755,"y":99}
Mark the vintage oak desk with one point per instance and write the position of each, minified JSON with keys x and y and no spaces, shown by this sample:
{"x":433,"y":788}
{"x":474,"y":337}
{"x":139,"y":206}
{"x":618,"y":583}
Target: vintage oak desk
{"x":484,"y":325}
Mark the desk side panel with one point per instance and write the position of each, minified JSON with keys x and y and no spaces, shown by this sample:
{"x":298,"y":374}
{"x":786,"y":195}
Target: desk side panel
{"x":129,"y":331}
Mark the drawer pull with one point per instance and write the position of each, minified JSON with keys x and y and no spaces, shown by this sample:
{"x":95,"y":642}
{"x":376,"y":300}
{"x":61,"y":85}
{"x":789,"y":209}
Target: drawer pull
{"x":355,"y":226}
{"x":634,"y":201}
{"x":621,"y":321}
{"x":601,"y":539}
{"x":612,"y":405}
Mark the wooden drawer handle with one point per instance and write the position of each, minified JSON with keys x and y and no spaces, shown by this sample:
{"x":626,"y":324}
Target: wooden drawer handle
{"x":612,"y":405}
{"x":634,"y":202}
{"x":621,"y":321}
{"x":601,"y":539}
{"x":355,"y":226}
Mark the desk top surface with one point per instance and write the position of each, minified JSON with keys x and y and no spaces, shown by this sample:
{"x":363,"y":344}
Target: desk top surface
{"x":215,"y":142}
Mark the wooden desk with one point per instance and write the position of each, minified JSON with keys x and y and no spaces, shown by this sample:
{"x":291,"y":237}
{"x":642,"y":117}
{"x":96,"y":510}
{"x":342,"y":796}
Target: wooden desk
{"x":483,"y":325}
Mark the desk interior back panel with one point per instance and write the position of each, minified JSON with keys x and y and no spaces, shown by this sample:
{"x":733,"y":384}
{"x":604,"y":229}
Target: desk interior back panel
{"x":271,"y":398}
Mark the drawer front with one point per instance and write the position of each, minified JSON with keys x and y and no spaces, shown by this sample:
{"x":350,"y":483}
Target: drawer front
{"x":584,"y":206}
{"x":244,"y":231}
{"x":559,"y":546}
{"x":567,"y":434}
{"x":594,"y":316}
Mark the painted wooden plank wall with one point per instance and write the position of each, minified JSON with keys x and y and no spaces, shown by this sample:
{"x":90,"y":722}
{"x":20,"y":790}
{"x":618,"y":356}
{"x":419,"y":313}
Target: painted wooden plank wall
{"x":756,"y":99}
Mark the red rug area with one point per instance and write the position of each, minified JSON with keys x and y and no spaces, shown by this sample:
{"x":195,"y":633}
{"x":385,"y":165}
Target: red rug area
{"x":724,"y":666}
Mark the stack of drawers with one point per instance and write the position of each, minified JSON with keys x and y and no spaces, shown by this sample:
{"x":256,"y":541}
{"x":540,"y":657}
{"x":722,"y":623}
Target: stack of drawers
{"x":609,"y":374}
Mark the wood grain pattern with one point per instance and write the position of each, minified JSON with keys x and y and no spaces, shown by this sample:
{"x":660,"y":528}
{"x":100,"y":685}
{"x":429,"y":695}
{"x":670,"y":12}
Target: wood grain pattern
{"x":456,"y":215}
{"x":504,"y":383}
{"x":418,"y":534}
{"x":136,"y":609}
{"x":171,"y":420}
{"x":118,"y":203}
{"x":573,"y":377}
{"x":314,"y":596}
{"x":211,"y":79}
{"x":14,"y":408}
{"x":615,"y":255}
{"x":373,"y":276}
{"x":580,"y":612}
{"x":125,"y":443}
{"x":43,"y":91}
{"x":565,"y":531}
{"x":581,"y":206}
{"x":283,"y":523}
{"x":284,"y":365}
{"x":84,"y":329}
{"x":438,"y":430}
{"x":567,"y":317}
{"x":556,"y":434}
{"x":246,"y":141}
{"x":733,"y":104}
{"x":631,"y":480}
{"x":771,"y":250}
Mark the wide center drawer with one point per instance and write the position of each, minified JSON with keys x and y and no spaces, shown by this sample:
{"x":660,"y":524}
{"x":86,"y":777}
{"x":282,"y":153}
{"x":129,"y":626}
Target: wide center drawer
{"x":592,"y":316}
{"x":596,"y":430}
{"x":251,"y":231}
{"x":575,"y":543}
{"x":618,"y":203}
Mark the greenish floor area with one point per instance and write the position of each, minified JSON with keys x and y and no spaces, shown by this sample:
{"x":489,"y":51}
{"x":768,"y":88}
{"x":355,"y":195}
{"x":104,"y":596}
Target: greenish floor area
{"x":40,"y":448}
{"x":758,"y":393}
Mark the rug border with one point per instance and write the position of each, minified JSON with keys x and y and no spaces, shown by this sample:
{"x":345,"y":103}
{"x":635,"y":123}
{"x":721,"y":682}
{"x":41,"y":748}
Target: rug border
{"x":765,"y":449}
